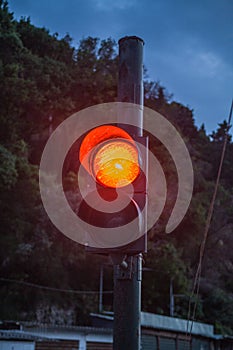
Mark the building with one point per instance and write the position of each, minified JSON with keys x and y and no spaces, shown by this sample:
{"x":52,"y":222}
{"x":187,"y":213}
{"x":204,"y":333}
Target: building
{"x":158,"y":333}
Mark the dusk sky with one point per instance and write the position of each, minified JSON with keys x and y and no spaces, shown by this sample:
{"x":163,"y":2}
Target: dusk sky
{"x":188,"y":44}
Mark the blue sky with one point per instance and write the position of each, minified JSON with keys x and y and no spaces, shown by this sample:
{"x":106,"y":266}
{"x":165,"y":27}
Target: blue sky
{"x":188,"y":43}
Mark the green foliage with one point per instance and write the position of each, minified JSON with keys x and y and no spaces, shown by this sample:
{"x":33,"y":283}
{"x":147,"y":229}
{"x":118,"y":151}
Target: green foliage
{"x":218,"y":309}
{"x":8,"y":172}
{"x":58,"y":50}
{"x":96,"y":69}
{"x":164,"y":265}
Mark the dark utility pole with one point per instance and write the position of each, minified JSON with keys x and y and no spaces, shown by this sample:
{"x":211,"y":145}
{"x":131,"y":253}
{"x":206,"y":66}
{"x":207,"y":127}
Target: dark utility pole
{"x":127,"y":270}
{"x":130,"y":81}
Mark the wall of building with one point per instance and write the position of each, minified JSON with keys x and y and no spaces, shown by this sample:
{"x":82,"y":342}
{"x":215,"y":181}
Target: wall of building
{"x":16,"y":345}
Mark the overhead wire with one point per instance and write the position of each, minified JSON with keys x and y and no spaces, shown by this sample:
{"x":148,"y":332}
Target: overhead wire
{"x":52,"y":289}
{"x":196,"y":284}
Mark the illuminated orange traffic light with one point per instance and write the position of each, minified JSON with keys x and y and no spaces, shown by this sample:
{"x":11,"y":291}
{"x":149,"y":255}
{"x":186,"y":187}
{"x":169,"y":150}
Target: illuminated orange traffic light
{"x":115,"y":159}
{"x":110,"y":154}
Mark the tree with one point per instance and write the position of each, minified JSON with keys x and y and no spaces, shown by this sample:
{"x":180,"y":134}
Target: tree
{"x":164,"y":264}
{"x":96,"y":72}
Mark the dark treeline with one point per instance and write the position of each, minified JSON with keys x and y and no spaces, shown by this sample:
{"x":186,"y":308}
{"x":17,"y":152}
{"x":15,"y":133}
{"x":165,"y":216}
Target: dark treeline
{"x":43,"y":80}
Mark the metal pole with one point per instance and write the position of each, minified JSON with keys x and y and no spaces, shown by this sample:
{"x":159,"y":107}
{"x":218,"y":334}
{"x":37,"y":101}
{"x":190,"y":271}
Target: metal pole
{"x":101,"y":289}
{"x":127,"y":272}
{"x":130,"y":82}
{"x":172,"y":302}
{"x":127,"y":305}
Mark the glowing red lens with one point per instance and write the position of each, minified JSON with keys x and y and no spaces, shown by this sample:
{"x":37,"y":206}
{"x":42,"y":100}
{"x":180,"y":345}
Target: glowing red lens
{"x":110,"y":155}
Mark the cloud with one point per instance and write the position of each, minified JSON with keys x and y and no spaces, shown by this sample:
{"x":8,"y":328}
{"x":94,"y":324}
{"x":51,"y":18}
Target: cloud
{"x":106,"y":5}
{"x":207,"y":64}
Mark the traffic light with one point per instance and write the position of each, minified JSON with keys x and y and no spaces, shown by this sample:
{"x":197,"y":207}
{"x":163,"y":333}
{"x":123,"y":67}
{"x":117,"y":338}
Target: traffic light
{"x":117,"y":162}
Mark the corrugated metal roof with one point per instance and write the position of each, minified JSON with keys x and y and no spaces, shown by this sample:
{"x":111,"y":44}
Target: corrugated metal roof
{"x":150,"y":320}
{"x":176,"y":324}
{"x":42,"y":329}
{"x":103,"y":316}
{"x":19,"y":334}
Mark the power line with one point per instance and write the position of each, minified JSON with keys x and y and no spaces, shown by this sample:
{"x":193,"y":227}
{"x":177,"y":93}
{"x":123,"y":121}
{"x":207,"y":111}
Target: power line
{"x":196,"y":284}
{"x":52,"y":289}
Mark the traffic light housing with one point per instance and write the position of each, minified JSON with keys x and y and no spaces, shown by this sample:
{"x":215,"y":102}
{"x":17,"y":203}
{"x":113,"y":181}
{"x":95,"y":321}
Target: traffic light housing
{"x":118,"y":164}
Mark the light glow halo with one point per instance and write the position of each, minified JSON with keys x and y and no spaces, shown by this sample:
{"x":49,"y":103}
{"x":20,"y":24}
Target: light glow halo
{"x":58,"y":145}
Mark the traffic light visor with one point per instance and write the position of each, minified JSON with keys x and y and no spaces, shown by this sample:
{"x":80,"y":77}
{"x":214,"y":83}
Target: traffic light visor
{"x":110,"y":155}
